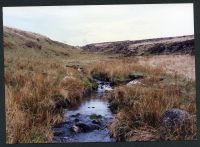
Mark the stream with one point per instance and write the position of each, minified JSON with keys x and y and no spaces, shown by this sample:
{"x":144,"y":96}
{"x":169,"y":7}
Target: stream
{"x":87,"y":121}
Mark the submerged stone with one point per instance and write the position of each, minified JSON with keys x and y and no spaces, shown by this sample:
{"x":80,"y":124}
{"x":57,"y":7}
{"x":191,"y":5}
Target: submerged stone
{"x":80,"y":127}
{"x":76,"y":120}
{"x":76,"y":115}
{"x":95,"y":116}
{"x":96,"y":121}
{"x":58,"y":132}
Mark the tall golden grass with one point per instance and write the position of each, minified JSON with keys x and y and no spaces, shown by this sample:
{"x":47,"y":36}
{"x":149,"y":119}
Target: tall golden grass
{"x":141,"y":106}
{"x":28,"y":105}
{"x":35,"y":99}
{"x":120,"y":69}
{"x":36,"y":93}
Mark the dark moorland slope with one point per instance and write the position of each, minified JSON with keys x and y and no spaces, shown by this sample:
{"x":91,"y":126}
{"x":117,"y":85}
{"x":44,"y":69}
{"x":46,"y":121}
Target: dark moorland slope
{"x":158,"y":46}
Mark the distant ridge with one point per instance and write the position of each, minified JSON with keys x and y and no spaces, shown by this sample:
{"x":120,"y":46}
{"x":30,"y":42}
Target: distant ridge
{"x":19,"y":39}
{"x":157,"y":46}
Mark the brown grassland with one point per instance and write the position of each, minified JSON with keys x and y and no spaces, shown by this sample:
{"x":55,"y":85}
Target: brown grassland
{"x":38,"y":85}
{"x":139,"y":107}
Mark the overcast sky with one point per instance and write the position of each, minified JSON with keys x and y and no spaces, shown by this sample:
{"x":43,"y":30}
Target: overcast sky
{"x":80,"y":25}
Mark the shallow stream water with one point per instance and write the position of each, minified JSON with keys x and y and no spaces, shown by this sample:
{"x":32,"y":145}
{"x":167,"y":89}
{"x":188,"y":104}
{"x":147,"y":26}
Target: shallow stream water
{"x":87,"y":121}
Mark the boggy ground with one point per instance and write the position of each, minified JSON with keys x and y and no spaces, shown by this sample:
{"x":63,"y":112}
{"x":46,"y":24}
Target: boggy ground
{"x":37,"y":89}
{"x":42,"y":77}
{"x":39,"y":83}
{"x":139,"y":105}
{"x":35,"y":99}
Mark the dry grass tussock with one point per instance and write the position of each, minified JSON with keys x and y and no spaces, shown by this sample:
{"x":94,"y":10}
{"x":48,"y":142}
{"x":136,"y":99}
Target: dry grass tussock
{"x":35,"y":99}
{"x":28,"y":105}
{"x":73,"y":89}
{"x":141,"y":106}
{"x":120,"y":70}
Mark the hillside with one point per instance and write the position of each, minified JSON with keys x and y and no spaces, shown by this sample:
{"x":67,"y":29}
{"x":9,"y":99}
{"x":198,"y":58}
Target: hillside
{"x":34,"y":44}
{"x":159,"y":46}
